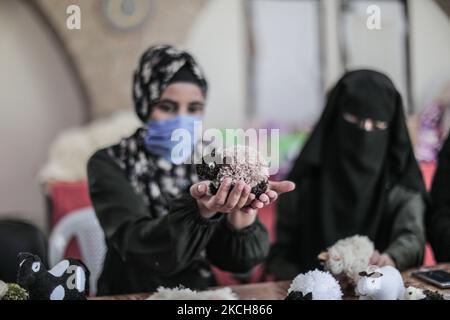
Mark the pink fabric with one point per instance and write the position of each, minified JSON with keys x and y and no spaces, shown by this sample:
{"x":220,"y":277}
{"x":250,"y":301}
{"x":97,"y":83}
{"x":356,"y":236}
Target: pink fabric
{"x":66,"y":197}
{"x":428,"y":170}
{"x":267,"y":218}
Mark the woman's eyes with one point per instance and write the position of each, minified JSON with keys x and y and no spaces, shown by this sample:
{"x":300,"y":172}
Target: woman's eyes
{"x":365,"y":124}
{"x":381,"y":125}
{"x":168,"y":107}
{"x":350,"y":118}
{"x":175,"y":108}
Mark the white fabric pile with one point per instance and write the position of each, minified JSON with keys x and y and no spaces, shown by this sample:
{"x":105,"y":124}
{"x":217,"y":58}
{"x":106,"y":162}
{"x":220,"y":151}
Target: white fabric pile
{"x":71,"y":150}
{"x":322,"y":285}
{"x":188,"y":294}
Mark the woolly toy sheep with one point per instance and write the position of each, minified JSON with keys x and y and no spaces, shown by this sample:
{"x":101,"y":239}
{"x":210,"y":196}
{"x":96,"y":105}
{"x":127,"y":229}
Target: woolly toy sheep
{"x":348,"y":257}
{"x":240,"y":163}
{"x":385,"y":283}
{"x":314,"y":285}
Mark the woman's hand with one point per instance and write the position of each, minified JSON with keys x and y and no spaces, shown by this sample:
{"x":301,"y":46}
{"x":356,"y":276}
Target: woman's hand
{"x":247,"y":215}
{"x":241,"y":205}
{"x":274,"y":190}
{"x":381,"y":260}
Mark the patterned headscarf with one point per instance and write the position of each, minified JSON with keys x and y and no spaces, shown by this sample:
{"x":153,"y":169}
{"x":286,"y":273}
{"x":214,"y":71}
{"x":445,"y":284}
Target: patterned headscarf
{"x":157,"y":180}
{"x":157,"y":67}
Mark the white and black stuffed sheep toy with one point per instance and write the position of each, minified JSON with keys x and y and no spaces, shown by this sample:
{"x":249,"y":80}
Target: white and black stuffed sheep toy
{"x":239,"y":163}
{"x":68,"y":280}
{"x":380,"y":283}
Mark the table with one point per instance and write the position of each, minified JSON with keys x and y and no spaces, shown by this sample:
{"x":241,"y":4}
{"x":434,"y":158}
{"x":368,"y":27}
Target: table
{"x":278,"y":290}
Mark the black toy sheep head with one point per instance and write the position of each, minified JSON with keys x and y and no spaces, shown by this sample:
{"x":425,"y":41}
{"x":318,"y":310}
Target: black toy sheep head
{"x":68,"y":280}
{"x":30,"y":268}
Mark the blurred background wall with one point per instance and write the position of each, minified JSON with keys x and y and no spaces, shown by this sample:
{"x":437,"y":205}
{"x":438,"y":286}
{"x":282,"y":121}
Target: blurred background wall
{"x":39,"y":97}
{"x":266,"y":60}
{"x":430,"y":50}
{"x":218,"y":38}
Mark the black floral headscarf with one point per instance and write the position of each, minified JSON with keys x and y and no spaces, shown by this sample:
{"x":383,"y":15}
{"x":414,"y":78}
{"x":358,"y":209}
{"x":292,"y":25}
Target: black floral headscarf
{"x":157,"y":180}
{"x":157,"y":67}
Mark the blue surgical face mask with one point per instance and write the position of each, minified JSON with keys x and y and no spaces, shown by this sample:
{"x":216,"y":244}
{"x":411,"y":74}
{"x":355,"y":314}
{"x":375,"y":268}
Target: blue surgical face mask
{"x":164,"y":140}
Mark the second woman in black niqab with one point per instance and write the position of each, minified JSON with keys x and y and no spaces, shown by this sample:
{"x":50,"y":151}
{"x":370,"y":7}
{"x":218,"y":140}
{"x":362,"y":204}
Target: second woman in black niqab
{"x":356,"y":175}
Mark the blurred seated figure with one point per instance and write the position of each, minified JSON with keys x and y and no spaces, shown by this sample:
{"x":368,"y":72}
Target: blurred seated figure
{"x":433,"y":128}
{"x":357,"y":174}
{"x":16,"y":237}
{"x":162,"y":228}
{"x":438,"y":215}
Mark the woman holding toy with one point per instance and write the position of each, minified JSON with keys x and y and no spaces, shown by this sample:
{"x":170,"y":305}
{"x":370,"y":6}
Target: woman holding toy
{"x":161,"y":226}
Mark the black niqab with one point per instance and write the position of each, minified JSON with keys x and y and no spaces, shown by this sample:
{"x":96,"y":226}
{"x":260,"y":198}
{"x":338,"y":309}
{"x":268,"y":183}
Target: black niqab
{"x":438,"y":216}
{"x":350,"y":170}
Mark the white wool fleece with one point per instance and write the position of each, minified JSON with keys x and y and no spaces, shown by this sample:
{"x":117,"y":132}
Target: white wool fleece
{"x":351,"y":254}
{"x":188,"y":294}
{"x":71,"y":150}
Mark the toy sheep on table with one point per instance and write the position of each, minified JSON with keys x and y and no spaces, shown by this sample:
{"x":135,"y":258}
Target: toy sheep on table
{"x":68,"y":280}
{"x":348,"y":257}
{"x":385,"y":283}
